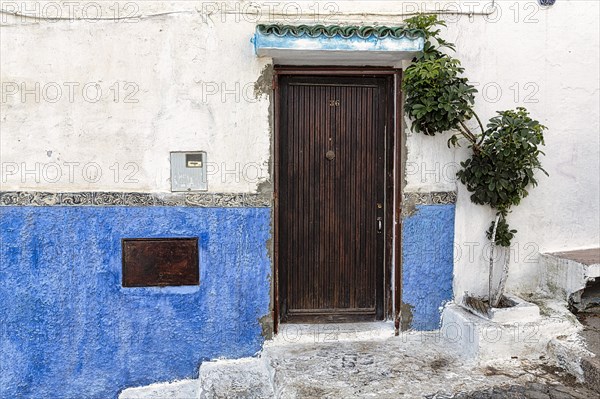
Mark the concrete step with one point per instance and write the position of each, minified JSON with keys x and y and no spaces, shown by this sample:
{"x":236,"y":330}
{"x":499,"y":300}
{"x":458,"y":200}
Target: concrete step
{"x":254,"y":377}
{"x":184,"y":389}
{"x":565,"y":275}
{"x":572,"y":277}
{"x":246,"y":378}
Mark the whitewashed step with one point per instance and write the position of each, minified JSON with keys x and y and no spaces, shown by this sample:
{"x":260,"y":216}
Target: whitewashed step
{"x":184,"y":389}
{"x":246,"y":378}
{"x":564,"y":275}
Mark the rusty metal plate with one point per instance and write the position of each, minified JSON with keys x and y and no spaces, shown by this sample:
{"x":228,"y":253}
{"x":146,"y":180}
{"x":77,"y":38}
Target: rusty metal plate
{"x":160,"y":262}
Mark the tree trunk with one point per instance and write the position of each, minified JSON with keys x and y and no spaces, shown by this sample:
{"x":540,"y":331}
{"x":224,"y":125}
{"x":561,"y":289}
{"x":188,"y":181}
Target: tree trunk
{"x":503,"y":279}
{"x":491,"y":270}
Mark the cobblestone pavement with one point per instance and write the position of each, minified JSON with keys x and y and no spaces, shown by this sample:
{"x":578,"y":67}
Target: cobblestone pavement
{"x":413,"y":368}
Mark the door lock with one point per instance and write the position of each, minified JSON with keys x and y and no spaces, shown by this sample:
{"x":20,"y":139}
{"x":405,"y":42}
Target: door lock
{"x":379,"y":224}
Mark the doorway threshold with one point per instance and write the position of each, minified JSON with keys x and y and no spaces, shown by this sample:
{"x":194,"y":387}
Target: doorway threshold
{"x":333,"y":332}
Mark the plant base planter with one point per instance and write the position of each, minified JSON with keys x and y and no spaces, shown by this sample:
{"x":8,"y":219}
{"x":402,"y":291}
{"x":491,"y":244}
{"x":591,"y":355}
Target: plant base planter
{"x":512,"y":310}
{"x":515,"y":332}
{"x":519,"y":311}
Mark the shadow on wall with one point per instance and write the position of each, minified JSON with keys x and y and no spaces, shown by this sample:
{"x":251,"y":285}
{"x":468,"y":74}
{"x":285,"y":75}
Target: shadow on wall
{"x":69,"y":330}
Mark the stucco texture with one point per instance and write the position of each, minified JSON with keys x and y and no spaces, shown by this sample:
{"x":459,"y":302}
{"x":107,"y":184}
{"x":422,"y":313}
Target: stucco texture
{"x":69,"y":330}
{"x":427,"y":265}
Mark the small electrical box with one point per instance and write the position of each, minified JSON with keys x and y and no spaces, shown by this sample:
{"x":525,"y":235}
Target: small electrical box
{"x":188,"y":171}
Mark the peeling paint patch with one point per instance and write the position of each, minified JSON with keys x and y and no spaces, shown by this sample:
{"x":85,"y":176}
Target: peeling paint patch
{"x":266,"y":324}
{"x":264,"y":84}
{"x":409,"y":208}
{"x":406,"y":316}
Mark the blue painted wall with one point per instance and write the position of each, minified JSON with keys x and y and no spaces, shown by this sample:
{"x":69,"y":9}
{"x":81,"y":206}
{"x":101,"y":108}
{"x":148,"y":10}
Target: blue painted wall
{"x":427,"y":263}
{"x":69,"y":330}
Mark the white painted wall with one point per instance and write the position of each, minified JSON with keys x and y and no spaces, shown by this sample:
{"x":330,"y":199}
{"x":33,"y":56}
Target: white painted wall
{"x":186,"y":58}
{"x":559,"y":57}
{"x":196,"y":92}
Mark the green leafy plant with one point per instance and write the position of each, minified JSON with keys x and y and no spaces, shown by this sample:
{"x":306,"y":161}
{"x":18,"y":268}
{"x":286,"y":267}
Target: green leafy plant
{"x":503,"y":166}
{"x":438,"y":99}
{"x":505,"y":155}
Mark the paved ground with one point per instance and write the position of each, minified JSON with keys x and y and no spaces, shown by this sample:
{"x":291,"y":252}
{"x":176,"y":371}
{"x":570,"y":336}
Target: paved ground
{"x":339,"y":362}
{"x":527,"y":391}
{"x":591,"y":330}
{"x":591,"y":335}
{"x":410,"y":366}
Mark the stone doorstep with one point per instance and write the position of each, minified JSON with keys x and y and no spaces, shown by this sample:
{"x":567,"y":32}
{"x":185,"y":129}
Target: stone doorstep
{"x":331,"y":332}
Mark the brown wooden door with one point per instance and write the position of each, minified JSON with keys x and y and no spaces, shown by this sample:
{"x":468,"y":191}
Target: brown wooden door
{"x":331,"y":197}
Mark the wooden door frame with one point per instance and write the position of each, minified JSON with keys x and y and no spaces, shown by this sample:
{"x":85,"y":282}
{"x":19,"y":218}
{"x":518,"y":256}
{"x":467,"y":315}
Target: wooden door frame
{"x":393,"y":181}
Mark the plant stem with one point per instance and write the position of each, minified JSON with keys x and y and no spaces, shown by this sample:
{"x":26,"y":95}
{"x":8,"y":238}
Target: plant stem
{"x":491,"y":271}
{"x":467,"y":133}
{"x":481,"y":127}
{"x":503,"y":279}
